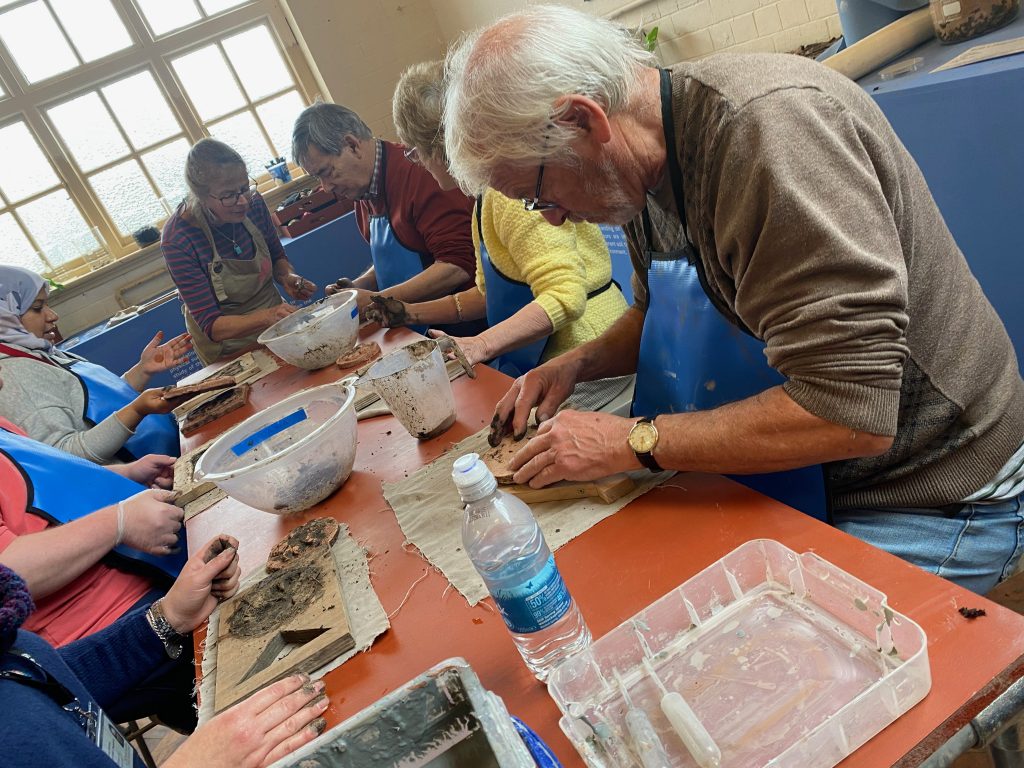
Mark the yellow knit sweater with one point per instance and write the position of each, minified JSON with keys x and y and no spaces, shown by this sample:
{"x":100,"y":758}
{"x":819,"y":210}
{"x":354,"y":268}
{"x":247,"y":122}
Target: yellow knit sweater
{"x":560,"y":264}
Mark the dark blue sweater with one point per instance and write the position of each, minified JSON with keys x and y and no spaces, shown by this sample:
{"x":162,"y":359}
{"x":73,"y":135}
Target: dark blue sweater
{"x":35,"y":731}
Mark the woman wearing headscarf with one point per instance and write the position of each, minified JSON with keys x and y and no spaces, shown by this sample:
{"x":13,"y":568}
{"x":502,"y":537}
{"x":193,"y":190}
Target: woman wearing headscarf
{"x":224,"y":255}
{"x":65,"y":401}
{"x":544,"y":290}
{"x":46,"y":693}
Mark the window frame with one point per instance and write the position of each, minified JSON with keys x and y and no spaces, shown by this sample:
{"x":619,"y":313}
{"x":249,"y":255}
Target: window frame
{"x":29,"y":102}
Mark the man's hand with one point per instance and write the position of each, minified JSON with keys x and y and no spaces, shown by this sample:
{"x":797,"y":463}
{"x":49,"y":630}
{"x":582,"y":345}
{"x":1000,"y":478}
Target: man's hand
{"x":258,"y":731}
{"x":575,"y":445}
{"x":387,"y":312}
{"x":546,"y":387}
{"x":151,"y":522}
{"x":209,"y":574}
{"x":157,"y":357}
{"x":341,"y":284}
{"x":299,"y":288}
{"x":152,"y":470}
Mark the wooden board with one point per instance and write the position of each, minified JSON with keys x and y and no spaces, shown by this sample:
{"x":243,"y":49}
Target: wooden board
{"x":214,"y":408}
{"x":318,"y":632}
{"x":498,"y":458}
{"x":606,"y":490}
{"x":249,"y":367}
{"x":189,"y":491}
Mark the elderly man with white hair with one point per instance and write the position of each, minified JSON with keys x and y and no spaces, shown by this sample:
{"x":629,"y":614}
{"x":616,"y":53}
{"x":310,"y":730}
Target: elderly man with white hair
{"x":773,"y":216}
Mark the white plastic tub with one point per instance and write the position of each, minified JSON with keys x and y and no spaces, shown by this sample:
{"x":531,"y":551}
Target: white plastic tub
{"x":317,"y":335}
{"x":784,"y":659}
{"x":290,"y":456}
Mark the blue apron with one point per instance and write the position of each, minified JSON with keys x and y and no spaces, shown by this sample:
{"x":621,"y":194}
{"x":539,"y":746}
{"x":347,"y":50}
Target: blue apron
{"x":692,"y":358}
{"x":106,"y":393}
{"x":505,"y":297}
{"x":62,"y":488}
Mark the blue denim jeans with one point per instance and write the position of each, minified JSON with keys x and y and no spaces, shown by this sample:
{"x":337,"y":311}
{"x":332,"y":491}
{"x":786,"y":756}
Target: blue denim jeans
{"x":976,"y":547}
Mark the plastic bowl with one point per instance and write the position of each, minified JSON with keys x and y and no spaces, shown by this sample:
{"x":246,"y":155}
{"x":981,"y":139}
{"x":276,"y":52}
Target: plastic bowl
{"x":317,"y":335}
{"x":290,"y":456}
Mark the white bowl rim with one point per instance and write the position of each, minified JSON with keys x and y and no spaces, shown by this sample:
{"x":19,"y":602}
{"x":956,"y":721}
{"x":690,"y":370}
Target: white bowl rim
{"x":263,"y":337}
{"x":213,"y":477}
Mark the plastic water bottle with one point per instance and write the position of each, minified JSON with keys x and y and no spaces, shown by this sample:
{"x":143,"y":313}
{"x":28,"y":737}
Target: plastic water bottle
{"x":502,"y":538}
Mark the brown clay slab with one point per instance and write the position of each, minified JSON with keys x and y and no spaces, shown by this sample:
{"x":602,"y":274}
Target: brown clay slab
{"x":310,"y":536}
{"x":189,"y":390}
{"x":361,"y":355}
{"x":499,"y":458}
{"x":214,"y":408}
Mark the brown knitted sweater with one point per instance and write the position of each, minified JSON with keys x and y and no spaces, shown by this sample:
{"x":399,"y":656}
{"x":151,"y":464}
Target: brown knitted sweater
{"x":817,"y":232}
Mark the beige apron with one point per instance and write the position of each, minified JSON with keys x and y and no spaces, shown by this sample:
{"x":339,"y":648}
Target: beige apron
{"x":241,"y":287}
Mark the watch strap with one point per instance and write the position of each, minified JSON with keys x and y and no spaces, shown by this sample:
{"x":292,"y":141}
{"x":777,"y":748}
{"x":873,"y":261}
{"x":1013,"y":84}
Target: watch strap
{"x":174,"y":641}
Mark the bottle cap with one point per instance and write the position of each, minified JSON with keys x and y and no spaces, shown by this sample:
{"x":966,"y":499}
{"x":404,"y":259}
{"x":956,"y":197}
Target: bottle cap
{"x":472,"y":477}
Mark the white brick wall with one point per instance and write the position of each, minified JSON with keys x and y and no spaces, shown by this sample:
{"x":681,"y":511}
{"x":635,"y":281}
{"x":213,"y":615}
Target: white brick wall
{"x":689,"y":29}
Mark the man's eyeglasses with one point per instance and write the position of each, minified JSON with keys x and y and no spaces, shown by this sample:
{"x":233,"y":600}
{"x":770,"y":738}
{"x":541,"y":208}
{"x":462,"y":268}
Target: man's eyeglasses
{"x":233,"y":198}
{"x":412,"y":155}
{"x":535,"y":204}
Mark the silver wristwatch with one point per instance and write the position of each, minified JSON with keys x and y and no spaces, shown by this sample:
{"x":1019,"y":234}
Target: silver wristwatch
{"x":174,"y":641}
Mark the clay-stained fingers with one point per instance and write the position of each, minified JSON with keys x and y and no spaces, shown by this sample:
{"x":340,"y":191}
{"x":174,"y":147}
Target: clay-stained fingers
{"x":286,"y":702}
{"x":303,"y":726}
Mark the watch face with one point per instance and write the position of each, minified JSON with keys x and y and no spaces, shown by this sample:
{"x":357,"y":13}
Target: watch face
{"x":643,"y":437}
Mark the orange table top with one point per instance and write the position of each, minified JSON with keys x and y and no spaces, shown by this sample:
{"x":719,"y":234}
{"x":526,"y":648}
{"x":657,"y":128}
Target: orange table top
{"x":613,"y":570}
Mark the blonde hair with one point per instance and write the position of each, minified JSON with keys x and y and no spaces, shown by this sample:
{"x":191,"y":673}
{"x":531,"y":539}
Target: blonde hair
{"x":503,"y":83}
{"x":206,"y":164}
{"x":417,"y":108}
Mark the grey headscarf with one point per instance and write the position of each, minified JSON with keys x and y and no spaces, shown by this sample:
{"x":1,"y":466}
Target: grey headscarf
{"x":18,"y":290}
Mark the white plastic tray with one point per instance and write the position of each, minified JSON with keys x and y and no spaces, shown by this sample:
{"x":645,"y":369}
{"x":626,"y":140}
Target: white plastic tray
{"x":785,"y":659}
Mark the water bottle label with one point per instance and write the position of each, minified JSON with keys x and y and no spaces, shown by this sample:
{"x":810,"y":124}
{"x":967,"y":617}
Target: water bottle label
{"x":535,"y":604}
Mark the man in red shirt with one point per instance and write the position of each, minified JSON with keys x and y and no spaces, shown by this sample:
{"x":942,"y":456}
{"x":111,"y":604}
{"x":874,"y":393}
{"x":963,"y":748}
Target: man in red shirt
{"x":419,"y":235}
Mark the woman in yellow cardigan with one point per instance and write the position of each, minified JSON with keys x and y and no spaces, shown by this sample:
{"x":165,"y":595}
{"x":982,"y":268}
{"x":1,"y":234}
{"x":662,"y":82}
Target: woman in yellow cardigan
{"x":543,"y":289}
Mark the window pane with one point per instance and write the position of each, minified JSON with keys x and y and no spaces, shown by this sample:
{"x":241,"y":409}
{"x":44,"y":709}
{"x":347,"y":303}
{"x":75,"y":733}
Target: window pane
{"x":93,"y":25}
{"x":258,"y":62}
{"x":58,"y":227}
{"x":167,"y":167}
{"x":141,"y":108}
{"x":89,"y":131}
{"x":243,"y":134}
{"x":167,"y":15}
{"x":216,"y":6}
{"x":278,"y":116}
{"x":209,"y":83}
{"x":38,"y":46}
{"x":25,"y":170}
{"x":127,"y":196}
{"x":15,"y":248}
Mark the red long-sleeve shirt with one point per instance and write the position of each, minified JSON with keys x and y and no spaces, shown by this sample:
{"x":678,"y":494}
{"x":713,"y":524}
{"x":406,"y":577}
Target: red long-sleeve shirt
{"x":426,"y":219}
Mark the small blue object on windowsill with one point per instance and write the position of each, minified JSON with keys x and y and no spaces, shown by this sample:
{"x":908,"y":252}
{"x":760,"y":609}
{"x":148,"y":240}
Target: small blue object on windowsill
{"x":278,"y":168}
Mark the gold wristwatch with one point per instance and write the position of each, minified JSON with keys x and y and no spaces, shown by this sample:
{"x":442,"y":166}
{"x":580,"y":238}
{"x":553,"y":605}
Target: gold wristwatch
{"x":643,"y":439}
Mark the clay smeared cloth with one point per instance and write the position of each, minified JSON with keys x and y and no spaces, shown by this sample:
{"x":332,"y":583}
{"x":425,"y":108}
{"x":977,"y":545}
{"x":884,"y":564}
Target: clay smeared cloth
{"x":429,"y":511}
{"x":366,"y":616}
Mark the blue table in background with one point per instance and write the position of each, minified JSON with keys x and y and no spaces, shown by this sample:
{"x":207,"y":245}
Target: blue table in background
{"x":322,"y":255}
{"x":965,"y":129}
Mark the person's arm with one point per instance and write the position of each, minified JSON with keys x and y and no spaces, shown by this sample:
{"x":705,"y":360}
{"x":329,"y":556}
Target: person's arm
{"x":52,"y":558}
{"x":157,"y":357}
{"x":296,"y":286}
{"x":285,"y":276}
{"x":525,"y":326}
{"x":439,"y":279}
{"x":250,"y":324}
{"x":392,"y":313}
{"x":769,"y":432}
{"x":48,"y":401}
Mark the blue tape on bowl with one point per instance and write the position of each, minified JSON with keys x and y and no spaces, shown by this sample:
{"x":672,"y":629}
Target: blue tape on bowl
{"x":355,"y":310}
{"x":268,"y":432}
{"x":539,"y":751}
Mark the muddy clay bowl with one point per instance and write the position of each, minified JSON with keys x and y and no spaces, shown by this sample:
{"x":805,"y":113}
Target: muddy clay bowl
{"x":315,"y":336}
{"x":290,"y":456}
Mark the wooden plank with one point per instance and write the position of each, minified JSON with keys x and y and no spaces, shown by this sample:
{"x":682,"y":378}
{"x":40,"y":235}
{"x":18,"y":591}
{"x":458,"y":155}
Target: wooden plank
{"x":313,"y":622}
{"x":608,"y":489}
{"x":184,"y":479}
{"x":200,"y":387}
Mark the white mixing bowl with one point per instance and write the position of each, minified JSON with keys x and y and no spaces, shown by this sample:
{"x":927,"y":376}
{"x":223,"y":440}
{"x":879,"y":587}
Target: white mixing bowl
{"x":290,"y":456}
{"x":317,"y":335}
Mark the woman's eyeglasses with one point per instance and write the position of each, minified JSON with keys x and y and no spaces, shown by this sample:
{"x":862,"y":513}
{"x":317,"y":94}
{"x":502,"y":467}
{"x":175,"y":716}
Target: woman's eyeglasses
{"x":233,"y":198}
